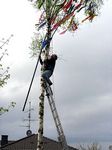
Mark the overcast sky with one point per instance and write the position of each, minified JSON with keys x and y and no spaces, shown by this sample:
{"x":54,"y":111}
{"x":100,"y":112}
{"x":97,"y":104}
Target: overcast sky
{"x":82,"y":77}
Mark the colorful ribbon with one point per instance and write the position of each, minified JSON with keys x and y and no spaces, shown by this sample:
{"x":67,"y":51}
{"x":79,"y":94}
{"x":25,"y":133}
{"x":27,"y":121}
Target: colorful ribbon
{"x":67,"y":5}
{"x":62,"y":21}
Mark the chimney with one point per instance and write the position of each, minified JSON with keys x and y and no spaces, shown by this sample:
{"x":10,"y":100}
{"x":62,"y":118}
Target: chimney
{"x":4,"y":140}
{"x":110,"y":147}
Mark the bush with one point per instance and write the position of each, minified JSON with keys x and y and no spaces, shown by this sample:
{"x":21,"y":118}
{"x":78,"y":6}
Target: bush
{"x":91,"y":147}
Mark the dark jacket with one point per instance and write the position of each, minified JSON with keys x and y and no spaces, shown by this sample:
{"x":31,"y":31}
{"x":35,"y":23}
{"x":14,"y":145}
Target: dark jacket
{"x":48,"y":64}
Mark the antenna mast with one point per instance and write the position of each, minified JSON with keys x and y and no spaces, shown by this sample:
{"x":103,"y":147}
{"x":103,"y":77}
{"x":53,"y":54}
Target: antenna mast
{"x":29,"y":120}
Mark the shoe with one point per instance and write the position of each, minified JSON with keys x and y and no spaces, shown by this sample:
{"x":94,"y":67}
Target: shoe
{"x":50,"y":83}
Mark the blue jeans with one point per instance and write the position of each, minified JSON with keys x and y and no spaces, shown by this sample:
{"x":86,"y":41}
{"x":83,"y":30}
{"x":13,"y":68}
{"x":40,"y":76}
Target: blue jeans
{"x":46,"y":75}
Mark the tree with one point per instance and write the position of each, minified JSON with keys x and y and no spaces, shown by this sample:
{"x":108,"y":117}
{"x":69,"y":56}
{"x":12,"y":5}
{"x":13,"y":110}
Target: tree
{"x":4,"y":73}
{"x":4,"y":110}
{"x":65,"y":15}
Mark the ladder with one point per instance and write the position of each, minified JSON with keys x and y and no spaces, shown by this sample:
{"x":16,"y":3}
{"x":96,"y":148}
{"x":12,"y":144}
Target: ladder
{"x":57,"y":121}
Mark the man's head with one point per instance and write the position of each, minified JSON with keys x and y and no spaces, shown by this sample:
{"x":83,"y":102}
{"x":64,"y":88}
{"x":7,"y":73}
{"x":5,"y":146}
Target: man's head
{"x":54,"y":56}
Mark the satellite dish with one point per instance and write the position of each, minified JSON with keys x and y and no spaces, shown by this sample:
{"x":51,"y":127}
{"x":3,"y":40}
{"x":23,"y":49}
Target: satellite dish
{"x":28,"y":132}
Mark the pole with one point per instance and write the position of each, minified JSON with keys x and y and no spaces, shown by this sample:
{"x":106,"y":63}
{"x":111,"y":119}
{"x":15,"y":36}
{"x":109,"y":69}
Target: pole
{"x":33,"y":77}
{"x":32,"y":81}
{"x":42,"y":95}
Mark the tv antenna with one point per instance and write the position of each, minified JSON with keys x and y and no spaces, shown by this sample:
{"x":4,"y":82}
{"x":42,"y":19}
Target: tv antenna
{"x":29,"y":120}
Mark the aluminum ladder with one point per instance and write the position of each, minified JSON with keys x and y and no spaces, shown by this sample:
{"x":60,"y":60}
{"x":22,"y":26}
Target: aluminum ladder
{"x":57,"y":121}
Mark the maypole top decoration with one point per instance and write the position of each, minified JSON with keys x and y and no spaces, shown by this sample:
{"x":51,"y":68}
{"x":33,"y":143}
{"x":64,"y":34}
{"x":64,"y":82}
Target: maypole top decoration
{"x":63,"y":14}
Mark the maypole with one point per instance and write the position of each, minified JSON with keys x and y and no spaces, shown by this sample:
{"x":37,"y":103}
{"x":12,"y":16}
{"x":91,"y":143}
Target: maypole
{"x":42,"y":95}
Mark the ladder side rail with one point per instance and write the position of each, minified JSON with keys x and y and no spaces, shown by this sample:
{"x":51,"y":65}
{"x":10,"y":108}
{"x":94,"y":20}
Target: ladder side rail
{"x":56,"y":122}
{"x":55,"y":115}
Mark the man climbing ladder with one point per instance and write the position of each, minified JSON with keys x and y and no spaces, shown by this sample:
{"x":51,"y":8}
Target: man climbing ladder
{"x":48,"y":67}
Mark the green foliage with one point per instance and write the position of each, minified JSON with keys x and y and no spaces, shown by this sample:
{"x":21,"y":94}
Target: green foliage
{"x":36,"y":44}
{"x":40,"y":3}
{"x":4,"y":110}
{"x":4,"y":73}
{"x":4,"y":77}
